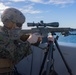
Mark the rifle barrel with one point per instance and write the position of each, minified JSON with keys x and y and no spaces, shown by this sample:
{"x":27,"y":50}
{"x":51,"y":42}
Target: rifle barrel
{"x":46,"y":30}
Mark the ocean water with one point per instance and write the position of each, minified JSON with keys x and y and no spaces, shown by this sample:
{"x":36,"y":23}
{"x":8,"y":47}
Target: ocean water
{"x":67,"y":39}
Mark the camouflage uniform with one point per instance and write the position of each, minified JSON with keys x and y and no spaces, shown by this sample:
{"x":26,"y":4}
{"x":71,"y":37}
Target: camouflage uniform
{"x":13,"y":49}
{"x":11,"y":46}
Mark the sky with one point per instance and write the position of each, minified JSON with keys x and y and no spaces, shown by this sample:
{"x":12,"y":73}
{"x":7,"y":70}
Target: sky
{"x":62,"y":11}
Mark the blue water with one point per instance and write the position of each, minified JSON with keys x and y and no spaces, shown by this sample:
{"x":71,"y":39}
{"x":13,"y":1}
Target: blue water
{"x":67,"y":39}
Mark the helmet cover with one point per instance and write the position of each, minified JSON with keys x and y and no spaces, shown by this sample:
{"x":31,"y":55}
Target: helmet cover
{"x":13,"y":15}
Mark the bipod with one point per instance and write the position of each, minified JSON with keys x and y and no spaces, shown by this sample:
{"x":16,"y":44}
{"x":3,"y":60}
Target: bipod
{"x":58,"y":48}
{"x":50,"y":61}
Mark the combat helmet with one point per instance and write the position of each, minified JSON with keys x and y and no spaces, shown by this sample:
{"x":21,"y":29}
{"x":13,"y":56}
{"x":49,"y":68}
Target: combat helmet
{"x":13,"y":15}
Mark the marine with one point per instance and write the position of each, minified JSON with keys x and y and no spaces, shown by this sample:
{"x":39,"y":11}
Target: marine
{"x":12,"y":45}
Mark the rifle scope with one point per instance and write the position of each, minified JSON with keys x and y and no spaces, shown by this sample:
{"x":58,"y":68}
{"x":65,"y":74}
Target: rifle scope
{"x":53,"y":24}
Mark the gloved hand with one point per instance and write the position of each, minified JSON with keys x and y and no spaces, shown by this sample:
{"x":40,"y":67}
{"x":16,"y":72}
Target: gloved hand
{"x":24,"y":37}
{"x":50,"y":37}
{"x":34,"y":38}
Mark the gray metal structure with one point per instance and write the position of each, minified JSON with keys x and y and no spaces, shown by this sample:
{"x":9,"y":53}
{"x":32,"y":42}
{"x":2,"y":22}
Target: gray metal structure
{"x":31,"y":64}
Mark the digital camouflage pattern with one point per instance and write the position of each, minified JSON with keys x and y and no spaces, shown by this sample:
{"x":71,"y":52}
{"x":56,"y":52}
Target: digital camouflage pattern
{"x":13,"y":15}
{"x":13,"y":49}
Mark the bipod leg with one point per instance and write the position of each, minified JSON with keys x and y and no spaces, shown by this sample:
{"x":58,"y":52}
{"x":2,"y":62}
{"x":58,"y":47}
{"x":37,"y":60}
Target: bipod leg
{"x":49,"y":59}
{"x":43,"y":63}
{"x":69,"y":70}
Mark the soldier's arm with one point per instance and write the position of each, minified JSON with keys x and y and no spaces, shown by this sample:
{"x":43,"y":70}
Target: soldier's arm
{"x":25,"y":37}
